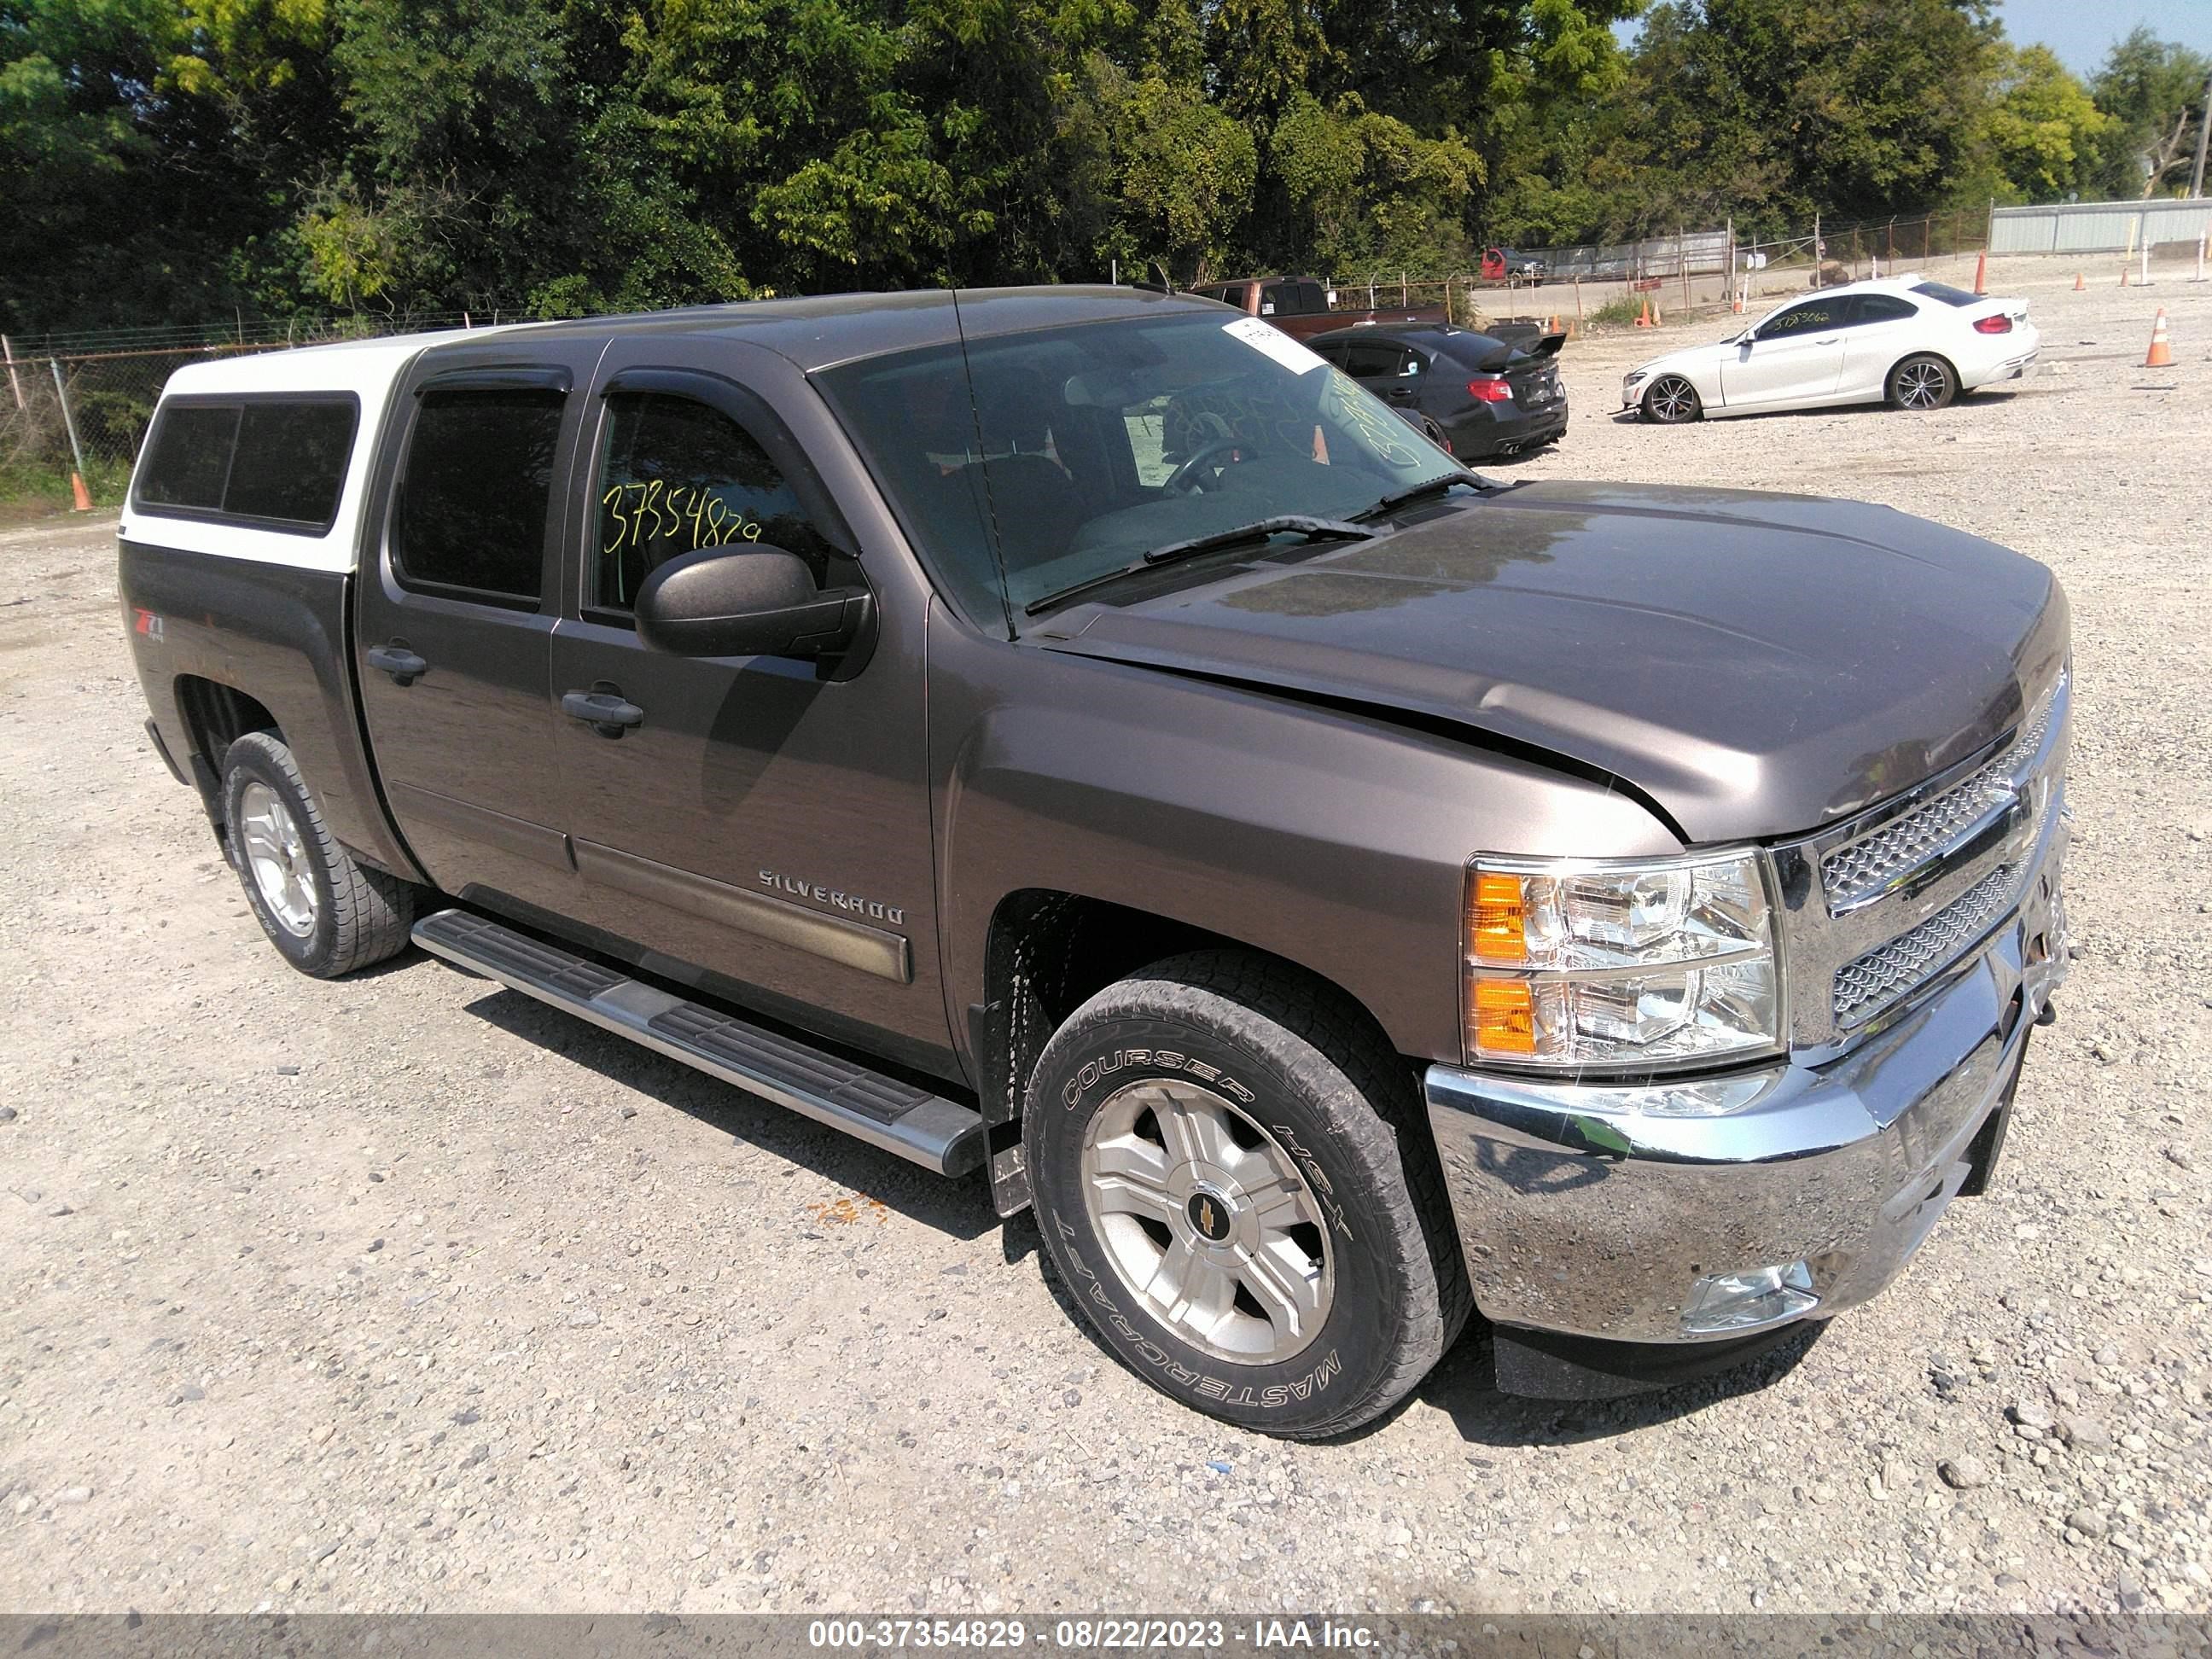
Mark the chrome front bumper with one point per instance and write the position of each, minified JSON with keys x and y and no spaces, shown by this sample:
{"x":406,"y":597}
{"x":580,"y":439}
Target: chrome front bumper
{"x":1595,"y":1209}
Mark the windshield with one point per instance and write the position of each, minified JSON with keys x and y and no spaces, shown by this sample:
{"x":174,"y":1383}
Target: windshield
{"x":1087,"y":448}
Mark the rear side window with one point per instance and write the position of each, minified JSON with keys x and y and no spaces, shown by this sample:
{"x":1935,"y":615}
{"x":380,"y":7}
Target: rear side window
{"x":276,"y":463}
{"x":1946,"y":293}
{"x":1375,"y":359}
{"x":1884,"y":308}
{"x":474,"y":496}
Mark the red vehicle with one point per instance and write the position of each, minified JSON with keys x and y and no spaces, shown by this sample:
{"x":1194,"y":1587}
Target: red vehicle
{"x":1503,"y":264}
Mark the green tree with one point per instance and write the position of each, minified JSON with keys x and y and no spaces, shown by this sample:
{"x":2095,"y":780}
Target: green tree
{"x":149,"y":154}
{"x":2154,"y":91}
{"x":1185,"y":170}
{"x":1371,"y":192}
{"x":2041,"y":135}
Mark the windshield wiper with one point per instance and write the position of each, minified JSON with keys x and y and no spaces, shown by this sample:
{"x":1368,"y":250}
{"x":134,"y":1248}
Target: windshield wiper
{"x":1434,"y":487}
{"x":1282,"y":524}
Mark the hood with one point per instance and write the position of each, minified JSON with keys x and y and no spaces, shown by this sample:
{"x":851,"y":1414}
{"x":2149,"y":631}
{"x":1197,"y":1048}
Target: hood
{"x":1689,"y":358}
{"x":1754,"y":666}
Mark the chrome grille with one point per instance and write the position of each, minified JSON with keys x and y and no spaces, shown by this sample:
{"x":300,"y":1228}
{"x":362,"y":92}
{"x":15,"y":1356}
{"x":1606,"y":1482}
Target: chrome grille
{"x":1863,"y":870}
{"x":1869,"y":983}
{"x":1860,"y":941}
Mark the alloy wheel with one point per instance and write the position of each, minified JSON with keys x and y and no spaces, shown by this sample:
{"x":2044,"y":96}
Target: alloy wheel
{"x":1674,"y":400}
{"x":277,"y":854}
{"x":1922,"y":385}
{"x":1208,"y":1222}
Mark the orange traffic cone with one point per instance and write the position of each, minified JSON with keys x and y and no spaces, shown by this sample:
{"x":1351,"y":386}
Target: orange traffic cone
{"x":2078,"y":283}
{"x":2124,"y":276}
{"x":1554,"y":326}
{"x":1644,"y":316}
{"x":1982,"y":272}
{"x":2161,"y":349}
{"x":83,"y":496}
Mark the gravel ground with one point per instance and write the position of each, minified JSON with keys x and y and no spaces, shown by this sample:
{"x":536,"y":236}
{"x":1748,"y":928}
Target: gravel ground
{"x":405,"y":1292}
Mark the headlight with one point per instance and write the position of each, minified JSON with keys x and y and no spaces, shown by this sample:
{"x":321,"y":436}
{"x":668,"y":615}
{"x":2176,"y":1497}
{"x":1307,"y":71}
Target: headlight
{"x":1634,"y":376}
{"x":1638,"y":964}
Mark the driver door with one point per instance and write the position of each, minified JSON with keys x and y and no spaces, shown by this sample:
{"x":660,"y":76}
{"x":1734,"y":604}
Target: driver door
{"x":1796,"y":356}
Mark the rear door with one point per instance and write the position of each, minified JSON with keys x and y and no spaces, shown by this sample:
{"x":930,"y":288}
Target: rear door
{"x":1797,"y":356}
{"x":761,"y":820}
{"x":1388,"y":369}
{"x":455,"y":613}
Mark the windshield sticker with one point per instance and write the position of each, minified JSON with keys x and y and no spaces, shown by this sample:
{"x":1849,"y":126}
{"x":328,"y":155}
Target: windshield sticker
{"x":1270,"y":341}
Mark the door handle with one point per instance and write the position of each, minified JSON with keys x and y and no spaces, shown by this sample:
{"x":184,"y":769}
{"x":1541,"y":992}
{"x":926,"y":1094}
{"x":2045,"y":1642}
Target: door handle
{"x":397,"y":660}
{"x":603,"y":710}
{"x":1831,"y":340}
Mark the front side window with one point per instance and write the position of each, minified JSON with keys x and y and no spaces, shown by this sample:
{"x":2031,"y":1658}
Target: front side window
{"x":675,"y":475}
{"x":473,"y":498}
{"x":1804,"y":319}
{"x":1071,"y":451}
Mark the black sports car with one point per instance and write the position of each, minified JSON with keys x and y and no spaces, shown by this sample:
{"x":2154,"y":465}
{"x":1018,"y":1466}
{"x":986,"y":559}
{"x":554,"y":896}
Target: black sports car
{"x":1489,"y":398}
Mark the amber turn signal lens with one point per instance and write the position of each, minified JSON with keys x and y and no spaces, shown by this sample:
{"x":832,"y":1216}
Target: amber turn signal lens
{"x":1497,"y":917}
{"x":1504,"y":1016}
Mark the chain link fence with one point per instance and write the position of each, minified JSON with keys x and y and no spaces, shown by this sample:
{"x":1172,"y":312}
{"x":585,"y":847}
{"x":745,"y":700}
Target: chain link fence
{"x":75,"y":408}
{"x":70,"y":426}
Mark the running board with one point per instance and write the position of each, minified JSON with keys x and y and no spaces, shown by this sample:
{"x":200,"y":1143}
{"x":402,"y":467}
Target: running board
{"x":919,"y":1126}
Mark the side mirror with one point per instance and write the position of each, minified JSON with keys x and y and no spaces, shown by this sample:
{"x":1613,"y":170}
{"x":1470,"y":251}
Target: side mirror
{"x":761,"y":602}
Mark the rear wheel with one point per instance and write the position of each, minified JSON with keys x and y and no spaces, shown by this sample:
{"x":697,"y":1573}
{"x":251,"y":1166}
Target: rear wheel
{"x":326,"y":912}
{"x":1922,"y":383}
{"x":1234,"y":1179}
{"x":1670,"y":400}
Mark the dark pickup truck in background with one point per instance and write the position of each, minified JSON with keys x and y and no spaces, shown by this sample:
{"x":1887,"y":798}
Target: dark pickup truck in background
{"x":1303,"y":306}
{"x":1079,"y":735}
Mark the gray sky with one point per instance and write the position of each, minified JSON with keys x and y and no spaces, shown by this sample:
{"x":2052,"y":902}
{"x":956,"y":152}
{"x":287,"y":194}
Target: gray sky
{"x":2081,"y":33}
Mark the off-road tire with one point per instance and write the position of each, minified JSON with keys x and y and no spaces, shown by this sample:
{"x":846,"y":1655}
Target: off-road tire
{"x":1904,"y":386}
{"x":1314,"y":1076}
{"x":360,"y":916}
{"x":1676,"y":405}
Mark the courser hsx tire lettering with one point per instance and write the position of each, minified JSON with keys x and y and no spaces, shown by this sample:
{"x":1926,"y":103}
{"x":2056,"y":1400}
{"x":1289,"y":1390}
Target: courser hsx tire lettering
{"x":1249,"y":1044}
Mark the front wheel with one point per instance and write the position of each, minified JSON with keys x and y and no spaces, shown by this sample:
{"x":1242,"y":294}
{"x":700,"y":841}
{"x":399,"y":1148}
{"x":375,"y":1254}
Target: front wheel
{"x":1670,"y":400}
{"x":326,"y":912}
{"x":1921,"y":383}
{"x":1234,"y":1179}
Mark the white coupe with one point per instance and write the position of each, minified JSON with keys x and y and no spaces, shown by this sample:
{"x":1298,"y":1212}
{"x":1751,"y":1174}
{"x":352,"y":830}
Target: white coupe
{"x":1903,"y":340}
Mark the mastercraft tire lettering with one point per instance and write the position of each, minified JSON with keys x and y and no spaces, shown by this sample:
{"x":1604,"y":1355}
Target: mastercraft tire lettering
{"x":1228,"y":1177}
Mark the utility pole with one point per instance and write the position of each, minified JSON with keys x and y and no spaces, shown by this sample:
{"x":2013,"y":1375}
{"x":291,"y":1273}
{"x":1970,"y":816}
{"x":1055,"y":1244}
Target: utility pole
{"x":2203,"y":129}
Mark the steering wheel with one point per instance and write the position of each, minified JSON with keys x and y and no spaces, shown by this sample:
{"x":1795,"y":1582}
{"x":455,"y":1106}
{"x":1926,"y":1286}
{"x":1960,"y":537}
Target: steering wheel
{"x":1189,"y":477}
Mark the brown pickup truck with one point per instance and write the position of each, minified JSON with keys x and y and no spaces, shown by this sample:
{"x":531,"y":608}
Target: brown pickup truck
{"x":1302,"y":306}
